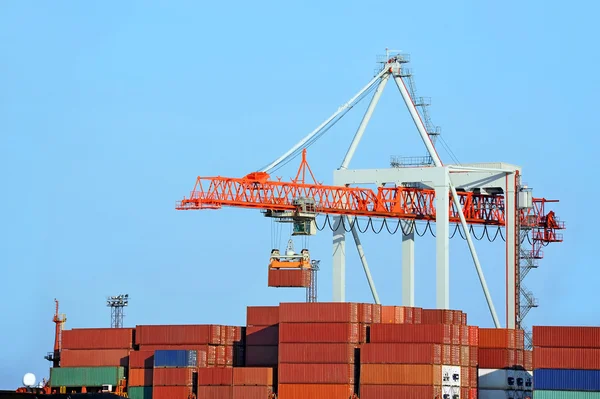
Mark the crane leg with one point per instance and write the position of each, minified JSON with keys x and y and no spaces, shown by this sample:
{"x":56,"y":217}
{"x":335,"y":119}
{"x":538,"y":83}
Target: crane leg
{"x":442,"y":228}
{"x":408,"y":263}
{"x":339,"y":260}
{"x":363,"y":260}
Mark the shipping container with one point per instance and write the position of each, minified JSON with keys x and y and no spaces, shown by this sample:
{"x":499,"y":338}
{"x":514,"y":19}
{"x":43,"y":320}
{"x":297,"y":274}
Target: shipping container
{"x":566,"y":337}
{"x":503,"y":394}
{"x":97,"y":338}
{"x":316,"y":353}
{"x":473,"y":336}
{"x":474,"y":377}
{"x":473,"y":394}
{"x":319,"y":332}
{"x":140,"y":377}
{"x":401,"y":354}
{"x":289,"y":278}
{"x":566,"y":358}
{"x":505,"y":379}
{"x":474,"y":356}
{"x":542,"y":394}
{"x":252,"y":392}
{"x":85,"y":376}
{"x":178,"y":334}
{"x":315,"y":391}
{"x":232,"y":334}
{"x":307,"y":373}
{"x":262,"y":335}
{"x":496,"y":358}
{"x":403,"y":374}
{"x":417,"y":315}
{"x":214,"y":392}
{"x":567,"y":380}
{"x":94,"y":358}
{"x":439,"y":316}
{"x":501,"y":338}
{"x":465,"y":356}
{"x":464,"y":335}
{"x":528,"y":360}
{"x":139,"y":392}
{"x":410,"y":333}
{"x":261,"y":356}
{"x":215,"y":376}
{"x":376,"y":313}
{"x":262,"y":376}
{"x":141,"y":359}
{"x":400,"y":391}
{"x":221,"y":352}
{"x":173,"y":376}
{"x":176,"y":392}
{"x":392,"y":314}
{"x":175,"y":358}
{"x":318,"y":312}
{"x":262,"y":315}
{"x":465,"y":377}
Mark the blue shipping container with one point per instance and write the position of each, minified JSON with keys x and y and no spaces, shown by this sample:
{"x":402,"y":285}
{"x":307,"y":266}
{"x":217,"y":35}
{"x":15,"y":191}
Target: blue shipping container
{"x":566,"y":380}
{"x":175,"y":358}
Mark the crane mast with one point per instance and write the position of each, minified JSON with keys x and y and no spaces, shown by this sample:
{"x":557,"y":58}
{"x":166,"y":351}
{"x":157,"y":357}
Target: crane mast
{"x":59,"y":320}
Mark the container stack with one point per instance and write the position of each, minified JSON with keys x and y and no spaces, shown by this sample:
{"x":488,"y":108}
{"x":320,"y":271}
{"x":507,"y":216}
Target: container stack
{"x":96,"y":347}
{"x":262,"y":336}
{"x":502,"y":365}
{"x":566,"y":362}
{"x":253,"y":382}
{"x":317,"y":342}
{"x":174,"y":373}
{"x":141,"y":369}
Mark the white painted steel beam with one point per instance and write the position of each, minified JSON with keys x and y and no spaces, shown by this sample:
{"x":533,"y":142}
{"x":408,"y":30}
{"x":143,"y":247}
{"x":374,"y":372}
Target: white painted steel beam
{"x":363,"y":260}
{"x":511,"y":255}
{"x":442,"y":243}
{"x":408,"y":263}
{"x":339,"y":260}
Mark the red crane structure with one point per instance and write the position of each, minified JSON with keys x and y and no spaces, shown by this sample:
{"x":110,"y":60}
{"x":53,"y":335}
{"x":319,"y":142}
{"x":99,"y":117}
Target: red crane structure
{"x":488,"y":195}
{"x":59,"y":320}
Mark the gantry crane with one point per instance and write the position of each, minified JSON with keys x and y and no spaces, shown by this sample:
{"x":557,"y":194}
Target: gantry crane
{"x":59,"y":321}
{"x":488,"y":195}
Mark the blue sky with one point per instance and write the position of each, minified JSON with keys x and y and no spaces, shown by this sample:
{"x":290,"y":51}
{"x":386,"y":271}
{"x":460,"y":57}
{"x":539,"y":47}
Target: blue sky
{"x":110,"y":110}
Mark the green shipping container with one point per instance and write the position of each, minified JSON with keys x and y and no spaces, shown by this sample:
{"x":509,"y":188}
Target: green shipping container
{"x":139,"y":392}
{"x":85,"y":376}
{"x":539,"y":394}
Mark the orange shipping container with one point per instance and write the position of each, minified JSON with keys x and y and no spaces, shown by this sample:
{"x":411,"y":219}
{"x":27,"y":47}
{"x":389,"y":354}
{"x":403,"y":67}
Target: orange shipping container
{"x":316,"y":353}
{"x":401,"y":354}
{"x":251,"y":392}
{"x":141,"y":359}
{"x":178,"y":334}
{"x":400,"y":391}
{"x":97,"y":338}
{"x":213,"y":392}
{"x":402,"y":374}
{"x":172,"y":376}
{"x":179,"y":392}
{"x":465,"y":356}
{"x":140,"y":378}
{"x":376,"y":313}
{"x":308,"y":373}
{"x":262,"y":315}
{"x":365,"y":313}
{"x":501,"y":338}
{"x":319,"y":312}
{"x":315,"y":391}
{"x":465,"y":377}
{"x":262,"y":376}
{"x":473,"y":377}
{"x":289,"y":278}
{"x":319,"y":332}
{"x":528,"y":360}
{"x":473,"y":336}
{"x":566,"y":337}
{"x":473,"y":356}
{"x":566,"y":358}
{"x":215,"y":376}
{"x":94,"y":358}
{"x":411,"y":333}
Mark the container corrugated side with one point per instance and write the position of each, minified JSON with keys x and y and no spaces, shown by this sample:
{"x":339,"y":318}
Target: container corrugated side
{"x":544,"y":394}
{"x":566,"y":337}
{"x":85,"y":376}
{"x":411,"y":333}
{"x":528,"y":360}
{"x":500,"y":338}
{"x":376,"y":313}
{"x":400,"y":391}
{"x":172,"y":376}
{"x":262,"y":335}
{"x":496,"y":358}
{"x":566,"y":358}
{"x":251,"y":392}
{"x":567,"y":380}
{"x":97,"y":338}
{"x":316,"y":353}
{"x":402,"y":374}
{"x":140,"y":377}
{"x":262,"y":315}
{"x":166,"y":392}
{"x":231,"y":335}
{"x":261,"y":356}
{"x":473,"y":356}
{"x":318,"y":332}
{"x":438,"y":316}
{"x":262,"y":376}
{"x":465,"y":356}
{"x":141,"y":359}
{"x":289,"y":278}
{"x":215,"y":376}
{"x":318,"y":312}
{"x":214,"y":392}
{"x":139,"y":392}
{"x":306,"y":373}
{"x":365,"y":313}
{"x":401,"y":354}
{"x":474,"y":336}
{"x":504,"y":379}
{"x":190,"y":334}
{"x":94,"y":357}
{"x":175,"y":358}
{"x":315,"y":391}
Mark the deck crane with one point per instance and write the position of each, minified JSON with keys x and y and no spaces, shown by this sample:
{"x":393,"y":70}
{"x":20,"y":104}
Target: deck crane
{"x":489,"y":195}
{"x":59,"y":322}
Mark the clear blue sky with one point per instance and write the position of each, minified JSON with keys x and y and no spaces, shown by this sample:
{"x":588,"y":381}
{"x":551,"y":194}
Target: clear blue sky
{"x":109,"y":111}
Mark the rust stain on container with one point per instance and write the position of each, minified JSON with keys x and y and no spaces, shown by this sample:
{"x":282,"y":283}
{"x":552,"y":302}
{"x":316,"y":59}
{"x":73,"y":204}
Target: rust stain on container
{"x":319,"y":332}
{"x":289,"y":278}
{"x":262,"y":335}
{"x":490,"y":358}
{"x":262,"y":315}
{"x":178,"y":334}
{"x":172,"y":376}
{"x":400,"y":391}
{"x":307,"y":373}
{"x":251,"y":392}
{"x":141,"y":359}
{"x":401,"y":354}
{"x":402,"y":374}
{"x":261,"y":356}
{"x":211,"y":392}
{"x":173,"y":392}
{"x":316,"y":353}
{"x":566,"y":337}
{"x":411,"y":333}
{"x":315,"y":391}
{"x":215,"y":376}
{"x":262,"y":376}
{"x":566,"y":358}
{"x":97,"y":338}
{"x":320,"y":312}
{"x":94,"y":358}
{"x":140,"y":377}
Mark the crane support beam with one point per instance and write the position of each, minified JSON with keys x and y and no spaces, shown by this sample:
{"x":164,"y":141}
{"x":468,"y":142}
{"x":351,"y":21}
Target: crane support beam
{"x":408,"y":263}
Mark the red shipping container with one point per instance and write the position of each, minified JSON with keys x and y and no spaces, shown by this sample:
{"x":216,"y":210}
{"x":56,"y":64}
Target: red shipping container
{"x":251,"y":392}
{"x":213,"y":392}
{"x":520,"y":339}
{"x":392,"y":314}
{"x":401,"y":374}
{"x":566,"y":358}
{"x":473,"y":336}
{"x":261,"y":356}
{"x":473,"y":356}
{"x":464,"y":319}
{"x":465,"y":381}
{"x":365,"y":313}
{"x":411,"y":333}
{"x":363,"y":333}
{"x":465,"y":356}
{"x":231,"y":335}
{"x":97,"y":338}
{"x":473,"y":393}
{"x":464,"y":392}
{"x":464,"y":335}
{"x":289,"y":373}
{"x":289,"y":278}
{"x":496,"y":358}
{"x":376,"y":313}
{"x":94,"y":358}
{"x":265,"y":335}
{"x":473,"y":376}
{"x":173,"y":392}
{"x":215,"y":376}
{"x":528,"y":360}
{"x":417,"y":316}
{"x":437,"y":316}
{"x":316,"y":353}
{"x":318,"y":312}
{"x":401,"y":354}
{"x":319,"y":332}
{"x":497,"y":338}
{"x":400,"y":391}
{"x":140,"y":378}
{"x":519,"y":357}
{"x":315,"y":391}
{"x":141,"y":359}
{"x":220,"y":351}
{"x":178,"y":334}
{"x":409,"y":315}
{"x":566,"y":337}
{"x":262,"y":376}
{"x":262,"y":315}
{"x":455,"y":334}
{"x":172,"y":376}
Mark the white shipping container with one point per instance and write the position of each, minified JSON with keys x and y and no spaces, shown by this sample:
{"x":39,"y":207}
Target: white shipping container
{"x":505,"y":379}
{"x":451,"y":393}
{"x":451,"y":376}
{"x":503,"y":394}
